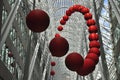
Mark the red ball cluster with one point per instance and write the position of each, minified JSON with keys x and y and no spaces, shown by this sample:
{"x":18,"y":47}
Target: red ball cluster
{"x":74,"y":61}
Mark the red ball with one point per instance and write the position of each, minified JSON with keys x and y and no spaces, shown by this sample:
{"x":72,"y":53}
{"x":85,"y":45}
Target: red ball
{"x":88,"y":16}
{"x":68,"y":13}
{"x":10,"y":54}
{"x":62,"y":22}
{"x":73,"y":61}
{"x":71,"y":9}
{"x":57,"y":35}
{"x":94,"y":44}
{"x":60,"y":28}
{"x":80,"y":8}
{"x":52,"y":72}
{"x":37,"y":20}
{"x":76,"y":6}
{"x":85,"y":10}
{"x":93,"y":29}
{"x":53,"y":63}
{"x":94,"y":50}
{"x":65,"y":17}
{"x":93,"y":56}
{"x":88,"y":67}
{"x":58,"y":46}
{"x":91,"y":22}
{"x":93,"y":36}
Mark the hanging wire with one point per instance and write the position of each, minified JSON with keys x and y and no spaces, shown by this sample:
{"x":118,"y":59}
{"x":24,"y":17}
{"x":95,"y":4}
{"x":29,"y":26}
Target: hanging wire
{"x":34,"y":2}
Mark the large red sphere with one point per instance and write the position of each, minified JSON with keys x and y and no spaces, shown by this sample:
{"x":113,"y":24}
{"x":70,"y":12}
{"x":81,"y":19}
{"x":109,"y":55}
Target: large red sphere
{"x":53,"y":63}
{"x":52,"y":72}
{"x":37,"y":20}
{"x":58,"y":46}
{"x":94,"y":50}
{"x":93,"y":56}
{"x":94,"y":44}
{"x":88,"y":67}
{"x":93,"y":36}
{"x":90,"y":22}
{"x":74,"y":61}
{"x":85,"y":10}
{"x":65,"y":17}
{"x":93,"y":29}
{"x":88,"y":16}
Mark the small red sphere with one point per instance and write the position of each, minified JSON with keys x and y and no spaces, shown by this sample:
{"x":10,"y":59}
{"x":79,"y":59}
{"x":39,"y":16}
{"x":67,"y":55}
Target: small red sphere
{"x":90,"y":22}
{"x":37,"y":20}
{"x":88,"y":67}
{"x":85,"y":10}
{"x":53,"y":63}
{"x":52,"y":72}
{"x":65,"y":17}
{"x":94,"y":44}
{"x":93,"y":56}
{"x":76,"y":6}
{"x":57,"y":35}
{"x":68,"y":13}
{"x":58,"y":46}
{"x":71,"y":9}
{"x":88,"y":16}
{"x":93,"y":36}
{"x":94,"y":50}
{"x":10,"y":54}
{"x":60,"y":28}
{"x":62,"y":22}
{"x":80,"y":8}
{"x":93,"y":29}
{"x":74,"y":61}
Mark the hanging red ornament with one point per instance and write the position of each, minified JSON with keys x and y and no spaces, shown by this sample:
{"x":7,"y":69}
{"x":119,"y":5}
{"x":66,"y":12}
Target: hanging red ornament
{"x":53,"y":63}
{"x":91,"y":22}
{"x":85,"y":10}
{"x":93,"y":29}
{"x":68,"y":13}
{"x":10,"y":54}
{"x":75,"y":7}
{"x":57,"y":35}
{"x":74,"y":61}
{"x":88,"y":67}
{"x":94,"y":44}
{"x":62,"y":22}
{"x":93,"y":56}
{"x":71,"y":9}
{"x":58,"y":46}
{"x":65,"y":17}
{"x":94,"y":50}
{"x":88,"y":16}
{"x":37,"y":20}
{"x":93,"y":36}
{"x":80,"y":8}
{"x":52,"y":72}
{"x":60,"y":28}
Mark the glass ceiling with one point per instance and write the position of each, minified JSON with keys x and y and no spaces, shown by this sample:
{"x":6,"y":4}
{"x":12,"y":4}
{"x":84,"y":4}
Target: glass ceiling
{"x":75,"y":31}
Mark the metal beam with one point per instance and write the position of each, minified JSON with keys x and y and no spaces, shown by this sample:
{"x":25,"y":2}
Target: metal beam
{"x":104,"y":63}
